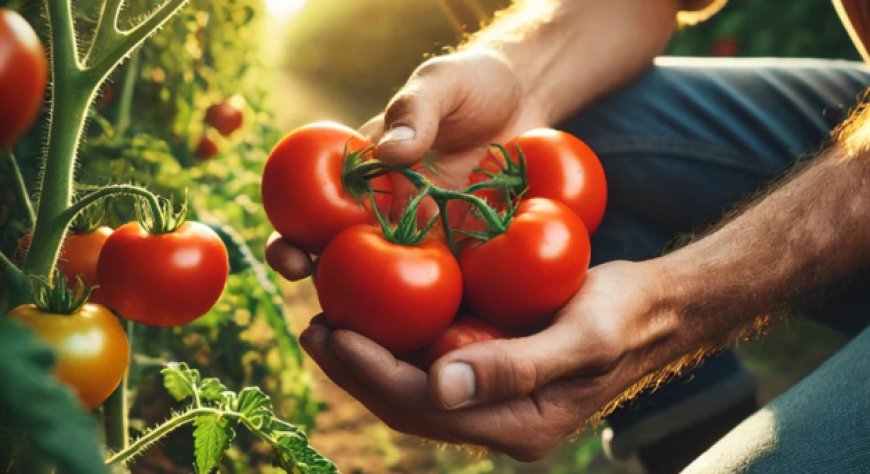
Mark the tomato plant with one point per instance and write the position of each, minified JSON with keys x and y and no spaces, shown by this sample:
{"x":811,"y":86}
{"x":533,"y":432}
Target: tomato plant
{"x":401,"y":296}
{"x":79,"y":255}
{"x":92,"y":349}
{"x":225,"y":117}
{"x":464,"y":330}
{"x":518,"y":279}
{"x":164,"y":279}
{"x":306,"y":192}
{"x":22,"y":76}
{"x":559,"y":166}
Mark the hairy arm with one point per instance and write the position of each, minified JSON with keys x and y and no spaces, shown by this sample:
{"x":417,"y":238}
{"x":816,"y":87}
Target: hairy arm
{"x":806,"y":233}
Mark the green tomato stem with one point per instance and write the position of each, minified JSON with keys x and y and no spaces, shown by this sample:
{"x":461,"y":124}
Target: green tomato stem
{"x":71,"y":212}
{"x":21,"y":186}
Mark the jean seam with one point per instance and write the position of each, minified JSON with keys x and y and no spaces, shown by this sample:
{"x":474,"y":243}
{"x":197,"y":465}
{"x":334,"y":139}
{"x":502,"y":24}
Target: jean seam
{"x":687,"y":149}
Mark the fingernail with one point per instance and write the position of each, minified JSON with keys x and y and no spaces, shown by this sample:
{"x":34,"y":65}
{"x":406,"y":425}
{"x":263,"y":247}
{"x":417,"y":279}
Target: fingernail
{"x":399,"y":134}
{"x":456,"y":385}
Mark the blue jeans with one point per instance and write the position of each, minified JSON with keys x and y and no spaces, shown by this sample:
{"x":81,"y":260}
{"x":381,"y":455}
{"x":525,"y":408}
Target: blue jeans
{"x":682,"y":145}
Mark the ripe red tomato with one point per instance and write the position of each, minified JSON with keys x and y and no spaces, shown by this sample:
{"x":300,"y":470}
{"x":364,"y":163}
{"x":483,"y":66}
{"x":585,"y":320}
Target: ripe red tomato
{"x":519,"y":279}
{"x":303,"y":191}
{"x":464,"y":330}
{"x":22,"y":76}
{"x":401,"y":297}
{"x":163,"y":279}
{"x":560,"y":167}
{"x":726,"y":46}
{"x":79,"y":256}
{"x":206,"y":149}
{"x":91,"y":346}
{"x":224,"y":117}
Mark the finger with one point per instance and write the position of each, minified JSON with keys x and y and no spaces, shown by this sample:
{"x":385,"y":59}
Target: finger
{"x":505,"y":369}
{"x":373,"y":129}
{"x":289,"y":261}
{"x":411,"y":118}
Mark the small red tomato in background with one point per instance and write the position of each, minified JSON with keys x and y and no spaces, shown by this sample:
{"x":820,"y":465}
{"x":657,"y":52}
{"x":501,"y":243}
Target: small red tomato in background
{"x":225,"y":117}
{"x":303,"y":189}
{"x":206,"y":149}
{"x":79,"y":256}
{"x":163,"y":279}
{"x":22,"y":76}
{"x":560,"y":166}
{"x":725,"y":47}
{"x":400,"y":296}
{"x":91,"y":346}
{"x":464,"y":330}
{"x":520,"y":278}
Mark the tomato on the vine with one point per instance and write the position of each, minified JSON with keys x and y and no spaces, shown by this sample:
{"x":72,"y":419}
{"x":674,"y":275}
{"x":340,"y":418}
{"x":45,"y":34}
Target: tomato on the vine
{"x":304,"y":191}
{"x":518,"y":279}
{"x":224,"y":117}
{"x":464,"y":330}
{"x":400,"y":296}
{"x":22,"y":76}
{"x":560,"y":166}
{"x":79,"y":256}
{"x":163,"y":279}
{"x":206,"y":149}
{"x":91,"y":346}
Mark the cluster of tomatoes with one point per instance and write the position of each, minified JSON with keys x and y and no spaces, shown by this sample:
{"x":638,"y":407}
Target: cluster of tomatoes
{"x":524,"y":253}
{"x":164,"y":276}
{"x":226,"y":117}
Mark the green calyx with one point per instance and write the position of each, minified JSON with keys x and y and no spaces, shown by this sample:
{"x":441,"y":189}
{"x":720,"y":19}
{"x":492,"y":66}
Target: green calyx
{"x":356,"y":171}
{"x":54,"y":296}
{"x":159,"y":215}
{"x":406,"y":232}
{"x":89,"y":218}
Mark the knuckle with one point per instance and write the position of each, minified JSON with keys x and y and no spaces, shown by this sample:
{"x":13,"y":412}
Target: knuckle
{"x":519,"y":376}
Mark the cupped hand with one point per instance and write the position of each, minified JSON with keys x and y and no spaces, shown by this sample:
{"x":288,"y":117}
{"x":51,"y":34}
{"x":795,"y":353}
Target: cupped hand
{"x":521,"y":396}
{"x":451,"y":106}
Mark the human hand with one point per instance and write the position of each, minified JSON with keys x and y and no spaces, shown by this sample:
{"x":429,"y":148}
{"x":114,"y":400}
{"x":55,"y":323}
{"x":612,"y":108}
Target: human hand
{"x":495,"y":393}
{"x":455,"y":105}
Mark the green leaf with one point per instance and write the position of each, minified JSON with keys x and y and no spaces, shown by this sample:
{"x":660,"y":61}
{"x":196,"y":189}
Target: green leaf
{"x":295,"y":454}
{"x":34,"y":404}
{"x":241,"y":257}
{"x":212,"y":435}
{"x":256,"y":406}
{"x":180,"y":380}
{"x":211,"y":390}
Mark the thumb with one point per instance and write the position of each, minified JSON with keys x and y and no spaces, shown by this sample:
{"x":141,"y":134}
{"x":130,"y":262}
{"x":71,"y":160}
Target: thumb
{"x":412,"y":117}
{"x":505,"y":369}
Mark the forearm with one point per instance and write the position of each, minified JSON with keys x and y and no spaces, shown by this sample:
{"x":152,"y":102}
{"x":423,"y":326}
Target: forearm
{"x":567,"y":53}
{"x":807,"y":233}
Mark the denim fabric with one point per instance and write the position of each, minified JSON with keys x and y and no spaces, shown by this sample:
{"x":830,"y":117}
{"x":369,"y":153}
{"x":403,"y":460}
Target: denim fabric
{"x":821,"y":425}
{"x":681,"y":146}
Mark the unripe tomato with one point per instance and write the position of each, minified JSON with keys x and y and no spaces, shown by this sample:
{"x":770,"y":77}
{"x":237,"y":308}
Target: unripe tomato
{"x":400,"y":296}
{"x":224,"y":117}
{"x":91,"y":346}
{"x":520,"y":278}
{"x":163,"y":279}
{"x":22,"y":76}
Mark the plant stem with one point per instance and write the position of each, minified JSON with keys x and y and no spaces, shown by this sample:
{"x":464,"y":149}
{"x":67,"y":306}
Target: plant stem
{"x":445,"y":223}
{"x":71,"y":212}
{"x":19,"y":182}
{"x":126,"y":99}
{"x":115,"y":422}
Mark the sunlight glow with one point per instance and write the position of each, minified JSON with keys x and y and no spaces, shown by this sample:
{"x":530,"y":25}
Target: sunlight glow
{"x":284,"y":8}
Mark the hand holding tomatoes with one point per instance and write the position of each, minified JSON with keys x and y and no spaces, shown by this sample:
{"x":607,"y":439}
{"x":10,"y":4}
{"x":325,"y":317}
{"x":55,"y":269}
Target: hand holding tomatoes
{"x":494,"y":393}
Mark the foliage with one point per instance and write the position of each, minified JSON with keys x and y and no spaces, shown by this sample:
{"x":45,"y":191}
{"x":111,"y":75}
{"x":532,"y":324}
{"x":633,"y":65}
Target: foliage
{"x":217,"y":413}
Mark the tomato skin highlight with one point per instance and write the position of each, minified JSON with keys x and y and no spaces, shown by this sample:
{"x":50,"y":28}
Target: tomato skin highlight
{"x":560,"y":167}
{"x":464,"y":330}
{"x":163,"y":279}
{"x":80,"y":254}
{"x":22,"y":76}
{"x":92,"y":349}
{"x":401,"y":297}
{"x":302,"y":188}
{"x":519,"y":279}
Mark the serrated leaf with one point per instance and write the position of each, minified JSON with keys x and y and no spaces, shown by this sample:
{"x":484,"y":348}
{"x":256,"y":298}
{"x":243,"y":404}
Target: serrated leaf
{"x":180,"y":380}
{"x":296,"y":455}
{"x":212,"y":435}
{"x":211,"y":390}
{"x":33,"y":403}
{"x":256,"y":406}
